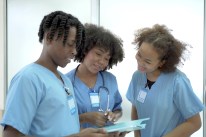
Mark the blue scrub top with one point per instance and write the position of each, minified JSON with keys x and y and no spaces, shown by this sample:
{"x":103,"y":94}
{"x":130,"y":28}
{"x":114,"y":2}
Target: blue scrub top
{"x":37,"y":104}
{"x":168,"y":103}
{"x":81,"y":92}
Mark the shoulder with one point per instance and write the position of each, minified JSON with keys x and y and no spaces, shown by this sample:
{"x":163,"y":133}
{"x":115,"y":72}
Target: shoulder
{"x":30,"y":78}
{"x":28,"y":72}
{"x":181,"y":77}
{"x":178,"y":80}
{"x":178,"y":75}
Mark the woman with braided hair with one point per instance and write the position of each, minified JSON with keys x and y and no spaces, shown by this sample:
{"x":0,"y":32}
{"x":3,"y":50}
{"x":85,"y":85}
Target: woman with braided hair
{"x":40,"y":99}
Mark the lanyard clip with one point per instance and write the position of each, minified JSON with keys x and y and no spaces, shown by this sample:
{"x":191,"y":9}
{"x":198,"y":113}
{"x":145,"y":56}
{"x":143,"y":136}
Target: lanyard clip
{"x":67,"y":90}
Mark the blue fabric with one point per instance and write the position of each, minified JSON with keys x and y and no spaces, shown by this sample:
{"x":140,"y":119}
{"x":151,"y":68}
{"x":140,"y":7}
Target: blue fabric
{"x":168,"y":103}
{"x":81,"y":92}
{"x":37,"y":104}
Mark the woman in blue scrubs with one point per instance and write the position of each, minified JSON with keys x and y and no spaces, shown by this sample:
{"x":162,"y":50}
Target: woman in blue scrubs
{"x":40,"y":100}
{"x":96,"y":90}
{"x":159,"y":90}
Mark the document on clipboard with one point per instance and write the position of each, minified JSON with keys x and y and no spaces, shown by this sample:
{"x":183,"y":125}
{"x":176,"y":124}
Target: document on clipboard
{"x":127,"y":126}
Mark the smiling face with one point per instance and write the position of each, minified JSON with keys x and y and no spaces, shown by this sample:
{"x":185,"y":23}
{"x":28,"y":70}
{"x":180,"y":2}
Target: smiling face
{"x":148,"y":59}
{"x":96,"y":59}
{"x":61,"y":54}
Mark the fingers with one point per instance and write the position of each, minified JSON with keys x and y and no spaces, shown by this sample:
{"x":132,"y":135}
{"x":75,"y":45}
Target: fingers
{"x":100,"y":119}
{"x":101,"y":133}
{"x":101,"y":130}
{"x":122,"y":134}
{"x":111,"y":116}
{"x":93,"y":132}
{"x":117,"y":134}
{"x":114,"y":134}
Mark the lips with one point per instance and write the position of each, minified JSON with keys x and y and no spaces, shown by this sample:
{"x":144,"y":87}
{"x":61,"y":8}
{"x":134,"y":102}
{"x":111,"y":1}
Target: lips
{"x":141,"y":68}
{"x":98,"y":67}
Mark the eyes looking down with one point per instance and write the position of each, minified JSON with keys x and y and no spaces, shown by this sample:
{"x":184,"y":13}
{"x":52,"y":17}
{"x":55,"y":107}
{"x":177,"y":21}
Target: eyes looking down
{"x":61,"y":53}
{"x":98,"y":56}
{"x":147,"y":58}
{"x":102,"y":54}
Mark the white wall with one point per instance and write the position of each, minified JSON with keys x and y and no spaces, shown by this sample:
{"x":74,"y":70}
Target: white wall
{"x":2,"y":54}
{"x":204,"y":72}
{"x":2,"y":57}
{"x":122,"y":17}
{"x":24,"y":18}
{"x":184,"y":17}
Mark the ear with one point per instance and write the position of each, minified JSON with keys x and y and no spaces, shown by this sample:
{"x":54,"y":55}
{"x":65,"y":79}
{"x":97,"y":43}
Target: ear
{"x":46,"y":38}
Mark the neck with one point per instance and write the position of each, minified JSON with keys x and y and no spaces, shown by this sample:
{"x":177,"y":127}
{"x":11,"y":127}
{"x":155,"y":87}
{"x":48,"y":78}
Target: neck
{"x":49,"y":66}
{"x":82,"y":71}
{"x":153,"y":75}
{"x":86,"y":76}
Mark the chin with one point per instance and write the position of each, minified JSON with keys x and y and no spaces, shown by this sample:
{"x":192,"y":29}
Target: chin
{"x":63,"y":66}
{"x":142,"y":71}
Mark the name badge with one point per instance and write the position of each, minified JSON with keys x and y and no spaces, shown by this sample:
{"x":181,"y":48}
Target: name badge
{"x":141,"y":96}
{"x":94,"y":98}
{"x":71,"y":104}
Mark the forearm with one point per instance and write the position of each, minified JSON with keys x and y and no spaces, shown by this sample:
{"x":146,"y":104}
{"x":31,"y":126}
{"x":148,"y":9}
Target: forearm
{"x":187,"y":128}
{"x":134,"y":116}
{"x":137,"y":133}
{"x":184,"y":130}
{"x":9,"y":131}
{"x":83,"y":118}
{"x":91,"y":132}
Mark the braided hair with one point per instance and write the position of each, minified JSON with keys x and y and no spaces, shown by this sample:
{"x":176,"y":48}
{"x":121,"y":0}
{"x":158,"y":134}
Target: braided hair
{"x":58,"y":23}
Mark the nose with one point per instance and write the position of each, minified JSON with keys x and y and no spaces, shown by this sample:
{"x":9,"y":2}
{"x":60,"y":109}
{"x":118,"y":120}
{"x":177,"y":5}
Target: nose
{"x":101,"y":61}
{"x":74,"y":51}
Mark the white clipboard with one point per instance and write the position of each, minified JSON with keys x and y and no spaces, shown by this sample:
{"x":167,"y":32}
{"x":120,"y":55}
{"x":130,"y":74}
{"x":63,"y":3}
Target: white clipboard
{"x":127,"y":126}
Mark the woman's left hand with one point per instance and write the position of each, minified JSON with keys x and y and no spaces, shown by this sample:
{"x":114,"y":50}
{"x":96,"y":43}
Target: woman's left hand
{"x":113,"y":116}
{"x":117,"y":134}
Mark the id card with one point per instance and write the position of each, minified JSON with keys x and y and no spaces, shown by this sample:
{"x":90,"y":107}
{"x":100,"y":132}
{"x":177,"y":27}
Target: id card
{"x":94,"y":98}
{"x":141,"y":96}
{"x":71,"y":104}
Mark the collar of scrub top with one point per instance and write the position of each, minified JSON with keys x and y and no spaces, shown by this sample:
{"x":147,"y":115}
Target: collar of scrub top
{"x":101,"y":88}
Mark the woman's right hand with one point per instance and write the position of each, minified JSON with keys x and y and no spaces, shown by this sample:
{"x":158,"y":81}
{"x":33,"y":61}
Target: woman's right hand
{"x":92,"y":132}
{"x":96,"y":118}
